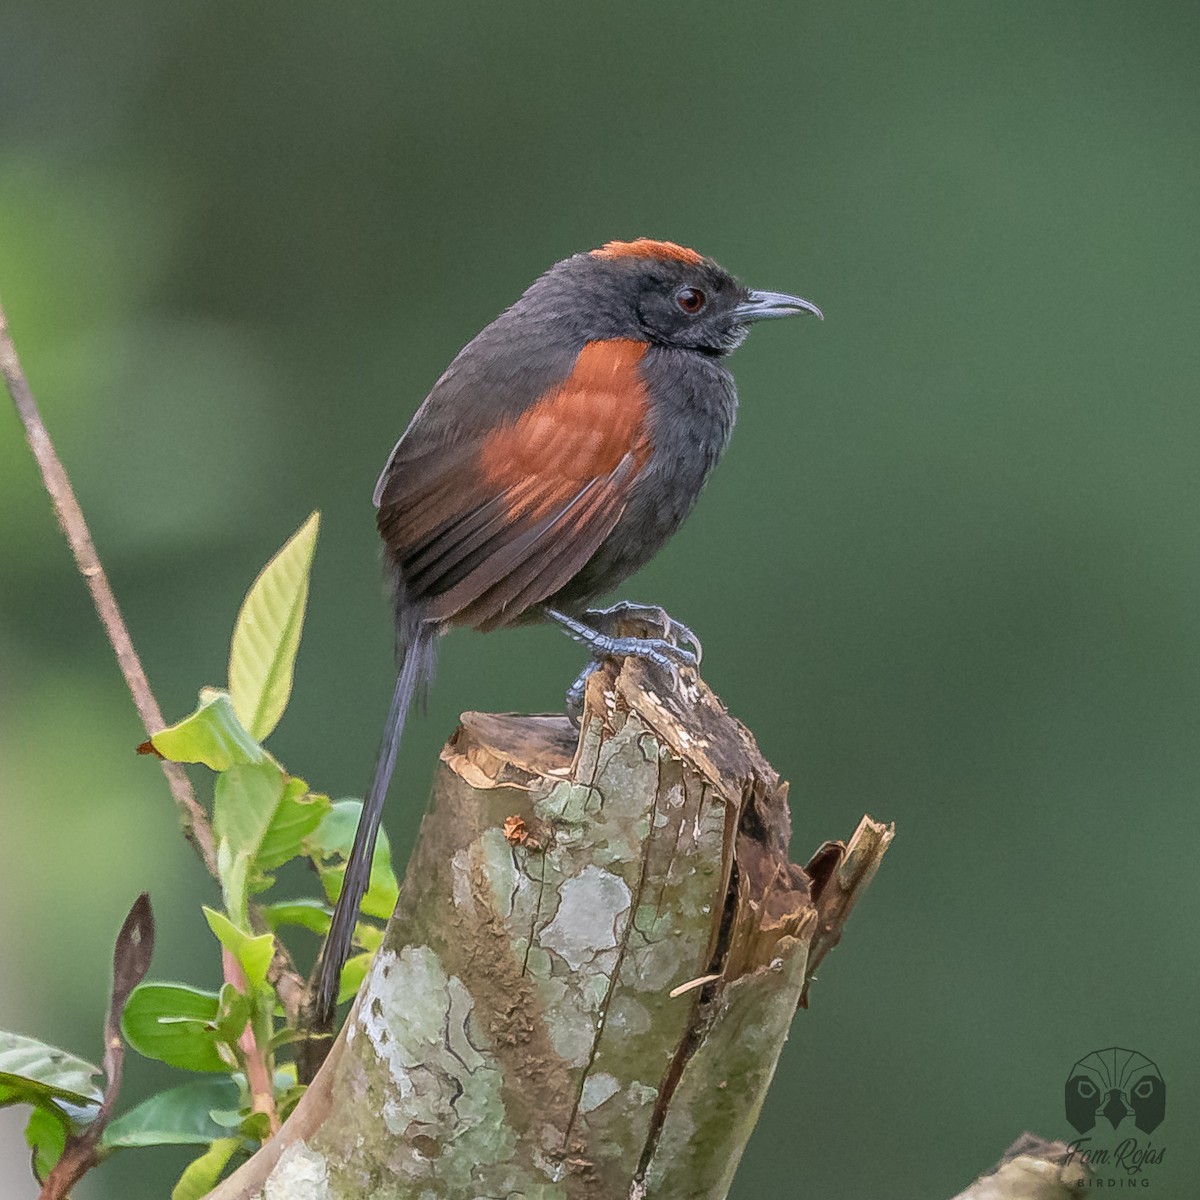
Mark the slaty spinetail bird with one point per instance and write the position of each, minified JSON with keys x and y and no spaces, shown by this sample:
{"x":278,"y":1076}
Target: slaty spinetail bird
{"x":560,"y":450}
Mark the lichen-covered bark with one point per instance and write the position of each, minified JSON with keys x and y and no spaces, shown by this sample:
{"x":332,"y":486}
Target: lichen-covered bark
{"x":587,"y":1002}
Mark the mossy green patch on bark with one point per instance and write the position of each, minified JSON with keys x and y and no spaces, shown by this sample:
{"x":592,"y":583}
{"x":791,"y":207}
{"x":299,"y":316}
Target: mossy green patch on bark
{"x":716,"y":1104}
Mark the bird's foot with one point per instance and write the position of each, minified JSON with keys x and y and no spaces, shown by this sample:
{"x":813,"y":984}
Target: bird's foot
{"x":652,"y":616}
{"x":663,"y":652}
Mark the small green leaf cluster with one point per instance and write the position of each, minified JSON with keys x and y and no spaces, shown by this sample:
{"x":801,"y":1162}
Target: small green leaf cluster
{"x":263,"y":818}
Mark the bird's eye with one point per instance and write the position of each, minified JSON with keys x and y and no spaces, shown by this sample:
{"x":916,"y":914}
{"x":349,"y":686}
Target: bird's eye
{"x":690,"y":299}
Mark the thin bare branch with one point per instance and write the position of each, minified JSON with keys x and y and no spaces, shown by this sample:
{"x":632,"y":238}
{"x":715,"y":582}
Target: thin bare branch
{"x":70,"y":518}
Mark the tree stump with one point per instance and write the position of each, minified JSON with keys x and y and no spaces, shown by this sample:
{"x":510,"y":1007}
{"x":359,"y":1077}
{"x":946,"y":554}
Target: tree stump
{"x":597,"y":953}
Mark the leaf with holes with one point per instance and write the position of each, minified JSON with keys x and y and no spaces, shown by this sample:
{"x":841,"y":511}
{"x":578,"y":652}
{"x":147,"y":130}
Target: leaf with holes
{"x":31,"y":1072}
{"x":174,"y":1023}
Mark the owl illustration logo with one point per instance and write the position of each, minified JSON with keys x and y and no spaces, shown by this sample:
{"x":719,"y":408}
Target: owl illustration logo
{"x":1116,"y":1084}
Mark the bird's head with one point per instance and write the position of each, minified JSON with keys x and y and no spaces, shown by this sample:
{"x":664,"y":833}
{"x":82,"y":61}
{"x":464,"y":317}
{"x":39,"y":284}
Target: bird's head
{"x":660,"y":292}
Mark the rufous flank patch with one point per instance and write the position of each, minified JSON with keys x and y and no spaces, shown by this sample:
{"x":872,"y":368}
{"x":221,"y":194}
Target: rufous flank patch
{"x":578,"y":431}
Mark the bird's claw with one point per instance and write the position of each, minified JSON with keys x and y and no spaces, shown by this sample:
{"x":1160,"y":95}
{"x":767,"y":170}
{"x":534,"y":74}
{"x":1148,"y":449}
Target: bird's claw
{"x":663,"y":652}
{"x":659,"y":651}
{"x":578,"y":690}
{"x":652,"y":615}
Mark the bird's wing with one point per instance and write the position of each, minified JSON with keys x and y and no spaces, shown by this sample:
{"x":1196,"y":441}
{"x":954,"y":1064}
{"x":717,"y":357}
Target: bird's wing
{"x":484,"y":528}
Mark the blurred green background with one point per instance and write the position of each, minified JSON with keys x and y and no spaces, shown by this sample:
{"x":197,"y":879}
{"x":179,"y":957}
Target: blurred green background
{"x":947,"y":572}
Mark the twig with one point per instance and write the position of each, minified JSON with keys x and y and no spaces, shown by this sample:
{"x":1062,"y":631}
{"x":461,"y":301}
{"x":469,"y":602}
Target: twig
{"x":192,"y":816}
{"x":70,"y":518}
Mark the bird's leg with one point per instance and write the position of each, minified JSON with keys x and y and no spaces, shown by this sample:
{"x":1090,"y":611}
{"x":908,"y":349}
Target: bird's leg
{"x":660,"y":651}
{"x":609,"y":620}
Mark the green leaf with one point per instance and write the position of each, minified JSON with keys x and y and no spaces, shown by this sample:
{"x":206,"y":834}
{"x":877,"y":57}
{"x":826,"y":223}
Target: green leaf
{"x":174,"y":1023}
{"x":247,"y":797}
{"x":263,"y":1003}
{"x":353,"y":973}
{"x":369,"y":937}
{"x":285,"y":1077}
{"x":307,"y":913}
{"x":254,"y":954}
{"x":284,"y":1036}
{"x":201,"y":1174}
{"x":46,"y":1135}
{"x":32,"y":1072}
{"x":233,"y":1014}
{"x":287,"y":1100}
{"x":255,"y":1126}
{"x":235,"y":1114}
{"x":179,"y":1116}
{"x":296,"y":818}
{"x":234,"y":872}
{"x":266,"y":637}
{"x":334,"y":839}
{"x":211,"y":735}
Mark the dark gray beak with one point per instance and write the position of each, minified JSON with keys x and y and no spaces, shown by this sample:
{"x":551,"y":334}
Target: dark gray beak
{"x":760,"y":306}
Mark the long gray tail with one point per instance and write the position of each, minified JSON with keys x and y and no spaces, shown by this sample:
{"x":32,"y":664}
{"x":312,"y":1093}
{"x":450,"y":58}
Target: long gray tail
{"x":416,"y":666}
